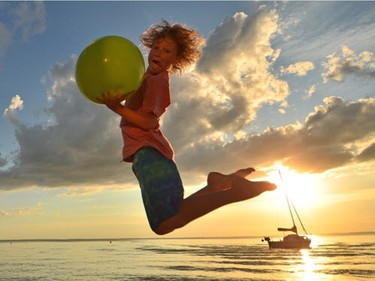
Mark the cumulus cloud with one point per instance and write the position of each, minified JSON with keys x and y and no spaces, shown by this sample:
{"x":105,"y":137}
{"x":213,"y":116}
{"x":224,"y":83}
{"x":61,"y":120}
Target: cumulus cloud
{"x":232,"y":80}
{"x":311,"y":91}
{"x":338,"y":67}
{"x":29,"y":19}
{"x":15,"y":103}
{"x":299,"y":68}
{"x":212,"y":107}
{"x":3,"y":161}
{"x":5,"y":39}
{"x":80,"y":145}
{"x":334,"y":133}
{"x":337,"y":133}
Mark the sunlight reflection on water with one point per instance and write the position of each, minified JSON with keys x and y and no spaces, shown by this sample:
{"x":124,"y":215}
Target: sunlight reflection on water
{"x":333,"y":258}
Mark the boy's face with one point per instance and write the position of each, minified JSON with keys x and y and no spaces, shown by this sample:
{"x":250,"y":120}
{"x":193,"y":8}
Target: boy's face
{"x":163,"y":55}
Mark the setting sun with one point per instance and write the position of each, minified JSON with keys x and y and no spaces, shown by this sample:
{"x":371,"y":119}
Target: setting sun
{"x":300,"y":187}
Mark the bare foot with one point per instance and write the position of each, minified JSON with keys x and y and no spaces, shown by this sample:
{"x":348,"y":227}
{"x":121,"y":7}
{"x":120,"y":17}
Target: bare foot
{"x":245,"y":172}
{"x":220,"y":182}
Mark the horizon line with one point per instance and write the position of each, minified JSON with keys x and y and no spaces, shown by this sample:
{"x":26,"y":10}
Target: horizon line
{"x":165,"y":238}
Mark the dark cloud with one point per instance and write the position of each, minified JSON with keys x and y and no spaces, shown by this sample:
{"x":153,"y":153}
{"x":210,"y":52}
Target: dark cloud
{"x":3,"y":161}
{"x":79,"y":145}
{"x":367,"y":154}
{"x":332,"y":136}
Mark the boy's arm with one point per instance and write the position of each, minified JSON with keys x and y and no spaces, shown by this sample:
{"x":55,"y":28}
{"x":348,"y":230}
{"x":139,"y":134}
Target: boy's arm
{"x":144,"y":120}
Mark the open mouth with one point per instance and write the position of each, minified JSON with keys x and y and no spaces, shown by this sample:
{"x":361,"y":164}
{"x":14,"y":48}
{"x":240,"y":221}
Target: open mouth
{"x":156,"y":62}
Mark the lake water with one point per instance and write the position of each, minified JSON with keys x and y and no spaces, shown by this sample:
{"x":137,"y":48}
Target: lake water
{"x":331,"y":258}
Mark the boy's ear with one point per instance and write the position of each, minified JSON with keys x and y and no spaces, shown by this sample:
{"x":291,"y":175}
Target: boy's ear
{"x":177,"y":59}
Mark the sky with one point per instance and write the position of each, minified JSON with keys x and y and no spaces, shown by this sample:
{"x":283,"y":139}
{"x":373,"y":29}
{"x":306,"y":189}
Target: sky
{"x":280,"y":86}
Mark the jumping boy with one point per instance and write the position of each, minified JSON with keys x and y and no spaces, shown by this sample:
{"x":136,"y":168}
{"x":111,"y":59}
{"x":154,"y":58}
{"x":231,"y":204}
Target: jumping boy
{"x":173,"y":47}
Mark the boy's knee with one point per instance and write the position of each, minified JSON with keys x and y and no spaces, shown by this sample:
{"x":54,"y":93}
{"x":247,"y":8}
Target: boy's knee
{"x":170,"y":225}
{"x":162,"y":230}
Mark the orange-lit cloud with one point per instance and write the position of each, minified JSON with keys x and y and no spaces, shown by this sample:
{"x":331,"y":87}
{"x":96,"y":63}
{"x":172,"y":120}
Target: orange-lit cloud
{"x":299,"y":68}
{"x":338,"y":67}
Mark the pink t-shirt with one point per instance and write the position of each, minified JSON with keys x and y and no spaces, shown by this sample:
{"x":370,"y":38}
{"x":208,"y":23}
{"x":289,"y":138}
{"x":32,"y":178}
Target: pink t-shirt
{"x":152,"y":96}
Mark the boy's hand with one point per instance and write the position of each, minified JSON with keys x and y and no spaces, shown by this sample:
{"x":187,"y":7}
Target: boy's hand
{"x":112,"y":99}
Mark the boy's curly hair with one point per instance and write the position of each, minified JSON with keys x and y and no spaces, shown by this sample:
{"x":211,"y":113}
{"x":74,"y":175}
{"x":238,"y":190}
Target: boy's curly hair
{"x":189,"y":42}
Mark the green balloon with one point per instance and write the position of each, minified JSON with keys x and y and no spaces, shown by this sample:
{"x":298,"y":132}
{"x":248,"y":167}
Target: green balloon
{"x":111,"y":63}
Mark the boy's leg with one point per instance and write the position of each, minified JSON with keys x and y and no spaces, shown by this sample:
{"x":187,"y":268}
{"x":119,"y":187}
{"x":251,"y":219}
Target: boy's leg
{"x":160,"y":183}
{"x":203,"y":202}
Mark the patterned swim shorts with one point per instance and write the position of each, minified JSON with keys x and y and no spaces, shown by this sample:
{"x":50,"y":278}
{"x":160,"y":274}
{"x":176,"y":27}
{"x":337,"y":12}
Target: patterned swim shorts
{"x":161,"y":185}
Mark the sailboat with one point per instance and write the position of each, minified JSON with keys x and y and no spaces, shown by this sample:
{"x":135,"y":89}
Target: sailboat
{"x":290,"y":241}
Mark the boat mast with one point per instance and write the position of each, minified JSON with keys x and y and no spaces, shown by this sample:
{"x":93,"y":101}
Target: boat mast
{"x":300,"y":221}
{"x":287,"y":200}
{"x":290,"y":209}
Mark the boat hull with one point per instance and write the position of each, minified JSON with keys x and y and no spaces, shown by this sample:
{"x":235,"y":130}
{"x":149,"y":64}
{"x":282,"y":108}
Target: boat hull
{"x":288,"y":245}
{"x":290,"y":242}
